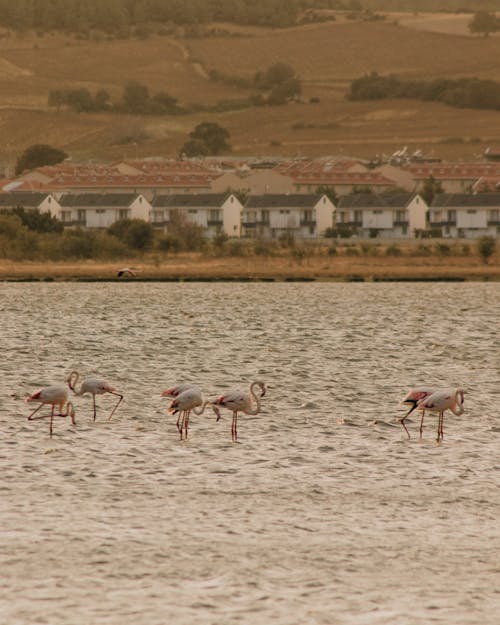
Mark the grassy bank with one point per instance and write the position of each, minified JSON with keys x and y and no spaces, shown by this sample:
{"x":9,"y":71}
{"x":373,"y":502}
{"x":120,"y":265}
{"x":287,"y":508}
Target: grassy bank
{"x":196,"y":266}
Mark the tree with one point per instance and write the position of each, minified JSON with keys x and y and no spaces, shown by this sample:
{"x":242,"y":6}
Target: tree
{"x":39,"y":155}
{"x":285,"y":91}
{"x":136,"y":233}
{"x":207,"y":138}
{"x":486,"y":247}
{"x":136,"y":98}
{"x":37,"y":221}
{"x":484,"y":23}
{"x":274,"y":75}
{"x":430,"y":189}
{"x":328,"y":191}
{"x":194,"y":147}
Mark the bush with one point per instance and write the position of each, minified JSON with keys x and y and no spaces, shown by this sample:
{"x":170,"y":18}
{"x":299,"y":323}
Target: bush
{"x":169,"y":243}
{"x":393,"y":250}
{"x":486,"y":247}
{"x":422,"y":250}
{"x":263,"y":248}
{"x":136,"y":233}
{"x":443,"y":249}
{"x":332,"y":250}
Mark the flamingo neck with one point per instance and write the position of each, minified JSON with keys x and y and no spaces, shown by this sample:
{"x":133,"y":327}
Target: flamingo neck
{"x":201,"y":409}
{"x":256,"y":398}
{"x":458,"y":408}
{"x":73,"y":378}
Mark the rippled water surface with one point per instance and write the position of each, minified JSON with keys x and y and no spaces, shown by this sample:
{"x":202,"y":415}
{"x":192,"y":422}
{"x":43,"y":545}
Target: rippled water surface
{"x":324,"y":513}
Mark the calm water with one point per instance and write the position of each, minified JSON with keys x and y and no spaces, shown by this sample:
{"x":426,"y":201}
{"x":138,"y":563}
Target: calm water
{"x":325,"y":512}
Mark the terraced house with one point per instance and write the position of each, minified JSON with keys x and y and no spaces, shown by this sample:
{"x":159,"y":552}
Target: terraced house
{"x":462,"y":215}
{"x":390,"y":215}
{"x":303,"y":216}
{"x":215,"y":212}
{"x":99,"y":210}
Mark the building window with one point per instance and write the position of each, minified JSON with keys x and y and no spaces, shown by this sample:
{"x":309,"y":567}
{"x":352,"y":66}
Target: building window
{"x":65,"y":215}
{"x":81,"y":216}
{"x":123,"y":213}
{"x":100,"y":211}
{"x":192,"y":211}
{"x":471,"y":211}
{"x":377,"y":211}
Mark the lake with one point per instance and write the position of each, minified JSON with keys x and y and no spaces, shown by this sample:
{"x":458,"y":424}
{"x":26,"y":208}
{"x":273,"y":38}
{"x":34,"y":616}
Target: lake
{"x":323,"y":513}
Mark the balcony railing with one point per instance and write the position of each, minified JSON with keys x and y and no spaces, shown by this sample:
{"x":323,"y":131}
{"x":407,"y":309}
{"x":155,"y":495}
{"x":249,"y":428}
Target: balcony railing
{"x":74,"y":222}
{"x":308,"y":222}
{"x":215,"y":222}
{"x":350,"y":224}
{"x":254,"y":224}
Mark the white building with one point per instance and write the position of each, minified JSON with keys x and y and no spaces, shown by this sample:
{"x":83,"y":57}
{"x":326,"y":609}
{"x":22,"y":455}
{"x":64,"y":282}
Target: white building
{"x":304,"y":216}
{"x":100,"y":210}
{"x":44,"y":202}
{"x":464,"y":215}
{"x":389,"y":215}
{"x":215,"y":212}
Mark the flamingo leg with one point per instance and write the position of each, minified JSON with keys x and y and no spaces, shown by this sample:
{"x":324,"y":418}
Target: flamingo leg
{"x":186,"y":424}
{"x":30,"y":418}
{"x":179,"y":423}
{"x":95,"y":409}
{"x":113,"y":411}
{"x":51,"y":420}
{"x":406,"y":415}
{"x":422,"y":423}
{"x":440,"y":426}
{"x":234,"y":431}
{"x":183,"y":419}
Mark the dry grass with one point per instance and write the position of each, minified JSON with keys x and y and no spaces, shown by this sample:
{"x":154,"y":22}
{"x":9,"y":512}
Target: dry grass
{"x":285,"y":266}
{"x":327,"y":57}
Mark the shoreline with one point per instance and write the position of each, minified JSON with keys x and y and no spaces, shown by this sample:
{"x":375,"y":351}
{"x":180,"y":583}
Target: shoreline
{"x":197,"y":268}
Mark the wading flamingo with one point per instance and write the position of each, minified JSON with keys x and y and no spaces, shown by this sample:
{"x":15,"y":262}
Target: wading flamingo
{"x":241,"y":401}
{"x":411,"y":399}
{"x":440,"y":401}
{"x":52,"y":396}
{"x":178,"y":389}
{"x":183,"y":403}
{"x":94,"y":386}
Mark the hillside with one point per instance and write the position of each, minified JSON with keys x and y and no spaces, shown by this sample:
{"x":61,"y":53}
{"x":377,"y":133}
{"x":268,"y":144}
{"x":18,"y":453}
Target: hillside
{"x":326,"y":57}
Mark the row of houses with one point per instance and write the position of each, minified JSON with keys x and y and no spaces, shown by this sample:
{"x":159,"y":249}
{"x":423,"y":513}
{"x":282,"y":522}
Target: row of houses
{"x":303,"y":216}
{"x":340,"y":175}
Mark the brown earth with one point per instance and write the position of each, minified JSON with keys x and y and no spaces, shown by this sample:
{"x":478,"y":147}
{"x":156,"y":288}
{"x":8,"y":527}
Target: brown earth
{"x":326,"y":56}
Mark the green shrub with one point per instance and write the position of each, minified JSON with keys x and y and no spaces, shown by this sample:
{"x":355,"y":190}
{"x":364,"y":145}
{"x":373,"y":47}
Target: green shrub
{"x":393,"y":250}
{"x":486,"y":247}
{"x":443,"y":249}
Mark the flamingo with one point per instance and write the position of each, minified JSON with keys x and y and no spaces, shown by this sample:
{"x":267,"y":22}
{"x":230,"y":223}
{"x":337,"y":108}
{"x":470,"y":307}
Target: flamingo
{"x":54,"y":396}
{"x":186,"y":401}
{"x":126,"y":271}
{"x":178,"y":389}
{"x":241,"y":401}
{"x":412,"y":398}
{"x":94,"y":386}
{"x":440,"y":401}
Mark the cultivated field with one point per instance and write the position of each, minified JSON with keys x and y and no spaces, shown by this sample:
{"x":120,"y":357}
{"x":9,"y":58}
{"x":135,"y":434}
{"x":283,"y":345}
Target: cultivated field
{"x":326,"y":56}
